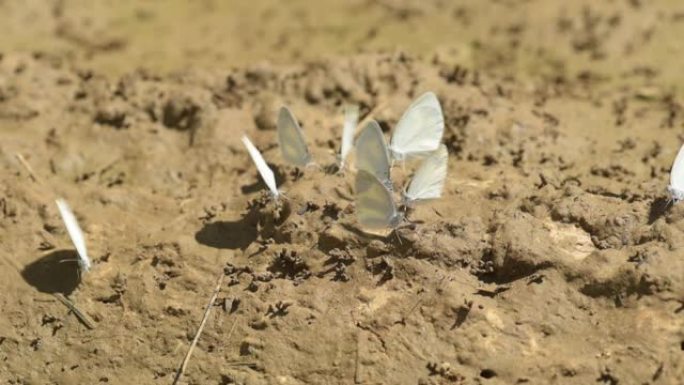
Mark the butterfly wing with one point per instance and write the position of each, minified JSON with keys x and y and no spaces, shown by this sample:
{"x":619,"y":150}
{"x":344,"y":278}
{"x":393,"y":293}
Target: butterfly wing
{"x":375,"y":207}
{"x":372,"y":155}
{"x":265,"y":171}
{"x":351,"y":119}
{"x":428,"y":181}
{"x":677,"y":172}
{"x":420,"y":129}
{"x":291,"y":140}
{"x":75,"y":233}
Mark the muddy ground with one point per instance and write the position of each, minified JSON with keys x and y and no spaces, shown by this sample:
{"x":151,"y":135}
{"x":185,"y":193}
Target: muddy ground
{"x":552,"y":258}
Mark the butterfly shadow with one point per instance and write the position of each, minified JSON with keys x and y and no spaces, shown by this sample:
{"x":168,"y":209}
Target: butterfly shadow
{"x":233,"y":235}
{"x":56,"y":272}
{"x":658,"y":208}
{"x":259,"y":184}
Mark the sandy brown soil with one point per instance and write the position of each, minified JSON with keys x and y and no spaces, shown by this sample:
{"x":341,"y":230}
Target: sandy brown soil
{"x":551,"y":259}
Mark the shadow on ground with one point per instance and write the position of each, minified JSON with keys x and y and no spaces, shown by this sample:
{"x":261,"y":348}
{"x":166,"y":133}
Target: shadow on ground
{"x":228,"y":234}
{"x":56,"y":272}
{"x":658,"y":208}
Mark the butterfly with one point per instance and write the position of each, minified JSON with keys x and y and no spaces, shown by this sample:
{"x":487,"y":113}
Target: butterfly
{"x":428,"y":180}
{"x":266,"y":173}
{"x":372,"y":155}
{"x":420,"y":129}
{"x":375,"y":208}
{"x":75,"y":233}
{"x":291,"y":139}
{"x":351,"y":119}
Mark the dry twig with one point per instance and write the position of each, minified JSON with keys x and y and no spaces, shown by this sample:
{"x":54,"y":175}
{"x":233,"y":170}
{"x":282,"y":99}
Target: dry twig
{"x":27,"y":166}
{"x":207,"y":310}
{"x":87,"y":321}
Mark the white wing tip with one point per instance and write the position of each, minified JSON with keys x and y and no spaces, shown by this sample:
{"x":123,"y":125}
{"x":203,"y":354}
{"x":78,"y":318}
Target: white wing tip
{"x":351,"y":110}
{"x":72,"y":226}
{"x":428,"y":95}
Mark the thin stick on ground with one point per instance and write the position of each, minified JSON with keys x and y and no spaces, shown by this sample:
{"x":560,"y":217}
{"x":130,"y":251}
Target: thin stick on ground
{"x":357,"y":359}
{"x":27,"y":166}
{"x":232,"y":328}
{"x":87,"y":321}
{"x":207,"y":310}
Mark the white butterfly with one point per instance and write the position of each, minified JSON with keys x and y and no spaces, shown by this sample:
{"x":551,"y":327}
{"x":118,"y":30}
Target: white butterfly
{"x":351,"y":120}
{"x":676,"y":187}
{"x":372,"y":155}
{"x":428,"y":180}
{"x":291,"y":139}
{"x":419,"y":130}
{"x":75,"y":234}
{"x":375,"y":208}
{"x":265,"y":171}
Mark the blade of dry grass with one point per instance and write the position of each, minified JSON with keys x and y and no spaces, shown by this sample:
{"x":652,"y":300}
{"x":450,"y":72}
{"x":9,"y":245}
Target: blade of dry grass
{"x":87,"y":321}
{"x":207,"y":310}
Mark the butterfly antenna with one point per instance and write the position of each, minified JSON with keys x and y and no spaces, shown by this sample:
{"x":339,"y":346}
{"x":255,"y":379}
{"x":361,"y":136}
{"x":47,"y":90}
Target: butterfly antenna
{"x":341,"y":167}
{"x":68,"y":260}
{"x":670,"y":202}
{"x":404,"y":203}
{"x":394,"y":231}
{"x":407,"y":209}
{"x":78,"y":270}
{"x":313,"y":164}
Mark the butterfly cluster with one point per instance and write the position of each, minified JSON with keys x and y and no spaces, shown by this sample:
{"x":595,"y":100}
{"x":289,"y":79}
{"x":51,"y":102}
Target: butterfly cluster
{"x":418,"y":134}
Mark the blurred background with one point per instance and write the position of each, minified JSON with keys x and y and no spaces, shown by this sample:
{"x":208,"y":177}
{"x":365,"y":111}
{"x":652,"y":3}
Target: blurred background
{"x":632,"y":41}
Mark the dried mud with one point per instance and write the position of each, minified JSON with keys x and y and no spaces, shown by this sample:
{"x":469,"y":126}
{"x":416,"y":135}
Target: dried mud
{"x":552,"y":257}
